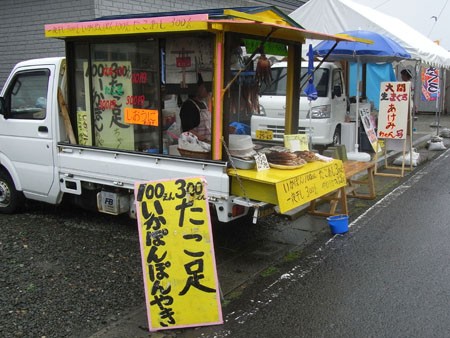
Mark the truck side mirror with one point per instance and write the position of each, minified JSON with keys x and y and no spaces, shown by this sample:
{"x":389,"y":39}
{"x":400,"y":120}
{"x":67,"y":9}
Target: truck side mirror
{"x":2,"y":106}
{"x":337,"y":91}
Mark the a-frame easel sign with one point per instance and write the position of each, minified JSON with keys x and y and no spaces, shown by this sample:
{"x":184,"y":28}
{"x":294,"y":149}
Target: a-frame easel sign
{"x":395,"y":123}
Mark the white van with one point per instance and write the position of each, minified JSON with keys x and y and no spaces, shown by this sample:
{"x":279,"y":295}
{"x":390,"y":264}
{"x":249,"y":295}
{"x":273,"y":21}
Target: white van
{"x":328,"y":111}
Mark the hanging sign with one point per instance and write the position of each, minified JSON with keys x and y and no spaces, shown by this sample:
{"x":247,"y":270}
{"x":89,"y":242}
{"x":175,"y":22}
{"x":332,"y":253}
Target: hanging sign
{"x":111,"y":88}
{"x":180,"y":278}
{"x":394,"y":109}
{"x":186,"y":57}
{"x":84,"y":128}
{"x":430,"y":84}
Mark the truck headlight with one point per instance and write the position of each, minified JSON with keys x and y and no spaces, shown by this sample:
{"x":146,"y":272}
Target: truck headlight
{"x":320,"y":112}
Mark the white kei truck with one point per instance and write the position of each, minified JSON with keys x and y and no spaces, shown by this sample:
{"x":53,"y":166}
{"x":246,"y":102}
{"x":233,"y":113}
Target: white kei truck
{"x":321,"y":118}
{"x":89,"y":125}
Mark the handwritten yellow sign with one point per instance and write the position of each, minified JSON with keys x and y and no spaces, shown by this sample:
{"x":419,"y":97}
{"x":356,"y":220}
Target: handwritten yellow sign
{"x":296,"y":142}
{"x":84,"y":127}
{"x":181,"y":286}
{"x":128,"y":26}
{"x":148,"y":117}
{"x":310,"y":185}
{"x":264,"y":134}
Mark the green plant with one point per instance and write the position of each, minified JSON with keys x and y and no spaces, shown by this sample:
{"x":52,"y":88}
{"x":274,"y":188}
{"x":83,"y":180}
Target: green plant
{"x":269,"y":271}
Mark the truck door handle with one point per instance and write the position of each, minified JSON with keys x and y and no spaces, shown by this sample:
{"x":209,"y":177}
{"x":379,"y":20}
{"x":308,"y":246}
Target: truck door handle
{"x":43,"y":129}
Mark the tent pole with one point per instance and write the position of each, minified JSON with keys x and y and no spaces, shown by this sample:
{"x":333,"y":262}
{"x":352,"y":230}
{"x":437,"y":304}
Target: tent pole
{"x":357,"y":105}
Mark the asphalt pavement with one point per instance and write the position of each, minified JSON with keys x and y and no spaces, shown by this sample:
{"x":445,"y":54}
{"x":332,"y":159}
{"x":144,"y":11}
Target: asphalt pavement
{"x":244,"y":251}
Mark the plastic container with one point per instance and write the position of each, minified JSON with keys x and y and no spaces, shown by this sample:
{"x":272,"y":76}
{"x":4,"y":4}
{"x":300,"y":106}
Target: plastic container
{"x":338,"y":224}
{"x":240,"y":163}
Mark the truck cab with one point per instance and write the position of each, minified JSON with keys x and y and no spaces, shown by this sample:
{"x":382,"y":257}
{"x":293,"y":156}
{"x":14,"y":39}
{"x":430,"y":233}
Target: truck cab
{"x":321,"y":118}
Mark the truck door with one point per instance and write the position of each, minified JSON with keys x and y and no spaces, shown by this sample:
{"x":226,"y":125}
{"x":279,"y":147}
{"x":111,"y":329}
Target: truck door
{"x":339,"y":97}
{"x":26,"y":134}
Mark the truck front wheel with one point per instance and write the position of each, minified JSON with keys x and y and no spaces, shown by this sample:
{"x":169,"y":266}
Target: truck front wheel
{"x":10,"y":198}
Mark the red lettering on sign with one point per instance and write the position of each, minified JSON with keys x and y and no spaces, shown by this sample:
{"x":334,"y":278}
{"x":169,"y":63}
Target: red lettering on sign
{"x":136,"y":100}
{"x":139,"y":77}
{"x":107,"y":104}
{"x":183,"y":61}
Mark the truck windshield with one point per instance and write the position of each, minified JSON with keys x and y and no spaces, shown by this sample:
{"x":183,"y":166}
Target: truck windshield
{"x":279,"y":76}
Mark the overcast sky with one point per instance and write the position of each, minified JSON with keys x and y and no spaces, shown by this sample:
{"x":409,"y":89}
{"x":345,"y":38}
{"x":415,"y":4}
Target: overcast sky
{"x":429,"y":17}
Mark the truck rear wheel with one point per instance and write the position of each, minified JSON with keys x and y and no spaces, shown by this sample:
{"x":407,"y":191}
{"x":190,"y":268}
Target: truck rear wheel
{"x":10,"y":198}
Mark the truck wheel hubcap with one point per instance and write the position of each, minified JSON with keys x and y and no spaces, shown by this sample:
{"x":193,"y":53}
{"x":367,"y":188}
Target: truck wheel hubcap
{"x":5,"y":194}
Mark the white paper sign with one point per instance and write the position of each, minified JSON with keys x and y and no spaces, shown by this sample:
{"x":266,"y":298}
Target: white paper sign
{"x":261,"y":162}
{"x":394,"y":110}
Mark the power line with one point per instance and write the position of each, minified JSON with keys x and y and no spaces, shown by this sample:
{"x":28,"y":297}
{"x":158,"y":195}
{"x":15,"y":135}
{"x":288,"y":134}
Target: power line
{"x":437,"y":18}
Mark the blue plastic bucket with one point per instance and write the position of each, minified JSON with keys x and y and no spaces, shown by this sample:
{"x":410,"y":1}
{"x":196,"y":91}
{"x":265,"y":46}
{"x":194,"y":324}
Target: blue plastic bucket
{"x":338,"y":224}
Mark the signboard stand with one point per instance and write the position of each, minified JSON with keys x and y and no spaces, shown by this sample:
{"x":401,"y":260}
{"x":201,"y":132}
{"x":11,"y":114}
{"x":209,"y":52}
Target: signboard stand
{"x":177,"y":252}
{"x":402,"y":168}
{"x":395,"y":124}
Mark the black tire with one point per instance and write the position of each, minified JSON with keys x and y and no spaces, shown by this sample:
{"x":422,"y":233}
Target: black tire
{"x":337,"y":136}
{"x":10,"y":198}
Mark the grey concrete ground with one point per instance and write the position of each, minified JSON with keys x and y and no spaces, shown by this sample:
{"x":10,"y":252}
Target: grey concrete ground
{"x":246,"y":250}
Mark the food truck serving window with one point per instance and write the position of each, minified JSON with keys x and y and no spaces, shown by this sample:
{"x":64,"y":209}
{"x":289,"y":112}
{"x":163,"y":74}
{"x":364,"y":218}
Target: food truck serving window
{"x":127,"y":95}
{"x":115,"y":84}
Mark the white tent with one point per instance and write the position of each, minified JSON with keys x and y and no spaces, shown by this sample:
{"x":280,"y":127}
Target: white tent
{"x":336,"y":16}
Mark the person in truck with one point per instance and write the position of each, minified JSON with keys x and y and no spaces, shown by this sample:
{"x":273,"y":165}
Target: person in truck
{"x":195,"y":115}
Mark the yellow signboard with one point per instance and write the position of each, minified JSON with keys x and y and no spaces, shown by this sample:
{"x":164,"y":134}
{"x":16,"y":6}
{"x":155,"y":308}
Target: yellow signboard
{"x":84,"y":128}
{"x":128,"y":26}
{"x":296,"y":142}
{"x":310,"y":185}
{"x":289,"y":189}
{"x":180,"y":279}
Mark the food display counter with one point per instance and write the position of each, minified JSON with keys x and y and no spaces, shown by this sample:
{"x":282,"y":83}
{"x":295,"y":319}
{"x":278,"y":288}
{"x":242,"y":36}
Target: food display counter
{"x":289,"y":188}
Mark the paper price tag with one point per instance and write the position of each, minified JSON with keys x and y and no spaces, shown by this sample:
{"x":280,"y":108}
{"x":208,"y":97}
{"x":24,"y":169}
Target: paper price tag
{"x":261,"y":162}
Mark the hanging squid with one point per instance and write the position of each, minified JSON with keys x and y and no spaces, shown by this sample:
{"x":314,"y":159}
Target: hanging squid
{"x":263,"y":73}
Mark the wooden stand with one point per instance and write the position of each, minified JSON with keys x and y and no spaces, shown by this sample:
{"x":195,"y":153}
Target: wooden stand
{"x":404,"y":147}
{"x":353,"y":168}
{"x":338,"y":198}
